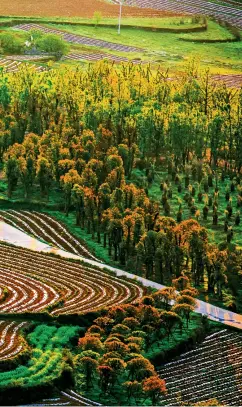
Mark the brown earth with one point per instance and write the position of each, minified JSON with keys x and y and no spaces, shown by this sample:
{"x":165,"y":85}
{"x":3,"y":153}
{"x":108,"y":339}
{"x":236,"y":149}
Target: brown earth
{"x":72,"y":8}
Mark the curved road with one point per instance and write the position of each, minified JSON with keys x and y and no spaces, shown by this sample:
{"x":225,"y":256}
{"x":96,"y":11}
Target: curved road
{"x":11,"y":235}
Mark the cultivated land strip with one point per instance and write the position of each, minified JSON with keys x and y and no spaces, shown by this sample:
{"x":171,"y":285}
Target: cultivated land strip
{"x":229,"y":13}
{"x":46,"y":228}
{"x":207,"y":372}
{"x":99,"y":56}
{"x":72,"y":8}
{"x":79,"y":39}
{"x":232,"y":81}
{"x":35,"y":281}
{"x":11,"y":235}
{"x":10,"y":66}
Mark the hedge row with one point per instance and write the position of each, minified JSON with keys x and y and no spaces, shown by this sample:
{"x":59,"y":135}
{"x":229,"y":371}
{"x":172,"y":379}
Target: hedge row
{"x":233,"y":30}
{"x":38,"y":206}
{"x":209,"y":41}
{"x":84,"y":320}
{"x":200,"y":28}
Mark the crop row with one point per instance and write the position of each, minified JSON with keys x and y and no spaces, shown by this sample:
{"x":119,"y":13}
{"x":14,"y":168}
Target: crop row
{"x":82,"y":288}
{"x":228,"y":13}
{"x":46,"y":363}
{"x":230,"y":80}
{"x":10,"y":344}
{"x":213,"y":370}
{"x":66,"y":398}
{"x":78,"y":39}
{"x":98,"y":56}
{"x":14,"y":66}
{"x":36,"y":282}
{"x":47,"y":228}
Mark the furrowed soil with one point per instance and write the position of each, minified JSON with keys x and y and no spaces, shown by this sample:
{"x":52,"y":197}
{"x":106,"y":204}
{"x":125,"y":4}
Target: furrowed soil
{"x":72,"y":8}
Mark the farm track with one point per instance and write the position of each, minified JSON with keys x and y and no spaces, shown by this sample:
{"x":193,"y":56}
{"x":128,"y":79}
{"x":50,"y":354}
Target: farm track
{"x":11,"y":66}
{"x":229,"y":13}
{"x":212,"y":370}
{"x":79,"y":39}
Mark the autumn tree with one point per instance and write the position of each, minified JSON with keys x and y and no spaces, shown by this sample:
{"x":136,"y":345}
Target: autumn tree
{"x":155,"y":388}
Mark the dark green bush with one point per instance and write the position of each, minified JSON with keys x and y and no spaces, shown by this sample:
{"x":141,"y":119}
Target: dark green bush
{"x":10,"y":44}
{"x":52,"y":44}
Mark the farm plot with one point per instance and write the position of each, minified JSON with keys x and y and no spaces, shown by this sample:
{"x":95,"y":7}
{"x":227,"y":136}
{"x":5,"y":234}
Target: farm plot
{"x":98,"y":56}
{"x":10,"y":344}
{"x":93,"y":57}
{"x":78,"y":39}
{"x":11,"y":66}
{"x":212,"y":370}
{"x":36,"y":282}
{"x":46,"y":363}
{"x":72,"y":8}
{"x":229,"y":13}
{"x":62,"y":286}
{"x":232,"y":81}
{"x":47,"y":228}
{"x":65,"y":398}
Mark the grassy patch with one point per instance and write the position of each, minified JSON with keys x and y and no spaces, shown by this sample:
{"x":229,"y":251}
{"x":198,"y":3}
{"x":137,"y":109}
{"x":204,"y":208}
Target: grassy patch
{"x":168,"y":50}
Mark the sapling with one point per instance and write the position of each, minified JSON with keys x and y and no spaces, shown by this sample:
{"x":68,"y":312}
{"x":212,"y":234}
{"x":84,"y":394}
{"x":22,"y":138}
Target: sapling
{"x":215,"y":217}
{"x":237,"y":218}
{"x":227,"y":194}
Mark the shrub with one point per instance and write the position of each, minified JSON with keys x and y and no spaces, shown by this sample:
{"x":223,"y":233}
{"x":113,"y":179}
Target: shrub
{"x":11,"y":44}
{"x":52,"y":44}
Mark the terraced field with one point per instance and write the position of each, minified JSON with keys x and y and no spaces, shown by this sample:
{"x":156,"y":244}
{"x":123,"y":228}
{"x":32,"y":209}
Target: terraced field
{"x":46,"y":228}
{"x":232,"y":81}
{"x":10,"y":344}
{"x":11,"y":66}
{"x":231,"y":13}
{"x":99,"y":56}
{"x":212,"y":370}
{"x":78,"y":39}
{"x":36,"y":282}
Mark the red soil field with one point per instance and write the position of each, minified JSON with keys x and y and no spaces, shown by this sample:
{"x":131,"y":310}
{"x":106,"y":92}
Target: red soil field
{"x":72,"y":8}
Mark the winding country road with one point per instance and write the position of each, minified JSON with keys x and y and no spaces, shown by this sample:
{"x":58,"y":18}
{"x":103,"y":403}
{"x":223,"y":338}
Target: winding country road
{"x":12,"y":235}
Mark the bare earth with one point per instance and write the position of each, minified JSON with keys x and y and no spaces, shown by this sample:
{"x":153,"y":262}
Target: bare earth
{"x":71,"y":8}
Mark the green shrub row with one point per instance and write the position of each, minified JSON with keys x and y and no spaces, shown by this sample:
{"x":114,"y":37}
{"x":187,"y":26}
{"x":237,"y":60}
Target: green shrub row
{"x":200,"y":28}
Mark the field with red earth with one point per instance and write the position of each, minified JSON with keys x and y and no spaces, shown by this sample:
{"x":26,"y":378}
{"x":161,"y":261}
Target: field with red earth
{"x":46,"y":228}
{"x":73,"y":8}
{"x":37,"y":282}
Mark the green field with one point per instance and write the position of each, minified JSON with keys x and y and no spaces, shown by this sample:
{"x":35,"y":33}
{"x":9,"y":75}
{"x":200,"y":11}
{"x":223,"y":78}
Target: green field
{"x":171,"y":51}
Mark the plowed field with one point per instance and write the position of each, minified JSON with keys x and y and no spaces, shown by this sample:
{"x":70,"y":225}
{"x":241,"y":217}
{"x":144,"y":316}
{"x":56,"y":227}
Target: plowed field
{"x":72,"y":8}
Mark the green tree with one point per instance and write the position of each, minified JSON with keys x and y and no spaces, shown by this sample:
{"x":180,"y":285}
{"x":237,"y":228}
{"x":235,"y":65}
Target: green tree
{"x":52,"y":44}
{"x":88,"y":367}
{"x":44,"y":175}
{"x":12,"y":173}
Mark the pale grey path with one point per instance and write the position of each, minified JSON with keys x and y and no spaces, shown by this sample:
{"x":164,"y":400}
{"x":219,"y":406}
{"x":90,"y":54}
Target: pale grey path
{"x":10,"y":234}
